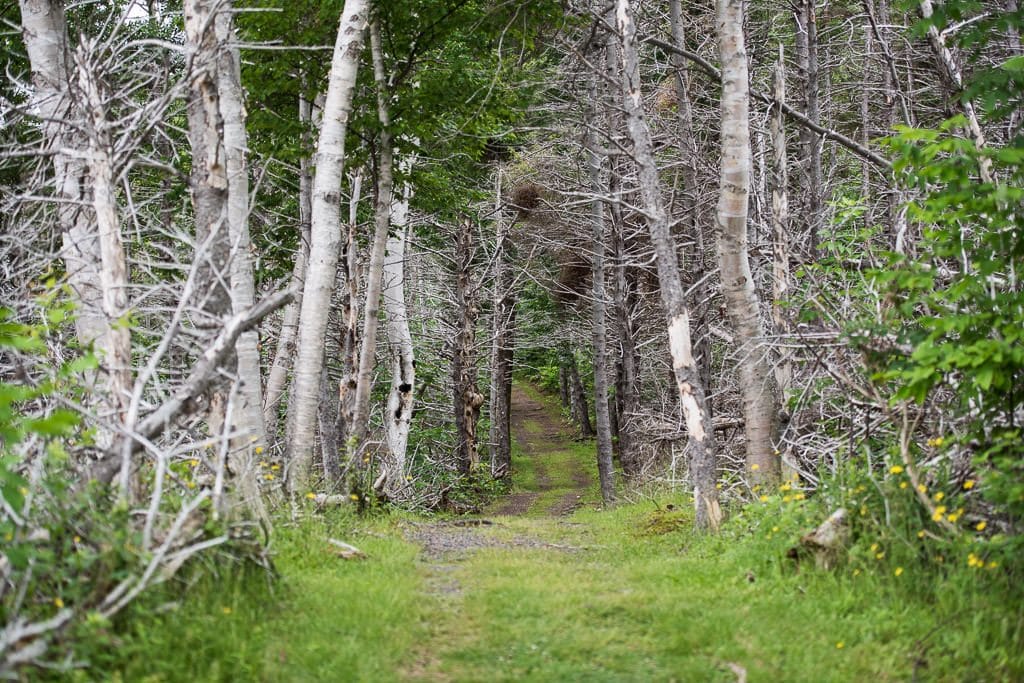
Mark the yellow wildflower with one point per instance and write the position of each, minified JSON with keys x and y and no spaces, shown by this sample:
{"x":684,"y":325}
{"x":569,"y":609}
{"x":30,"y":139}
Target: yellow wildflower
{"x":258,"y":450}
{"x":856,"y":572}
{"x":938,"y":441}
{"x":840,"y":645}
{"x":58,"y":603}
{"x":225,"y":610}
{"x":785,"y":487}
{"x":311,"y":495}
{"x":969,"y":484}
{"x":980,"y":526}
{"x":786,"y":499}
{"x":939,"y":512}
{"x":354,"y":496}
{"x":898,"y":571}
{"x":775,"y":529}
{"x":896,"y":469}
{"x":191,"y":484}
{"x":263,"y":463}
{"x":799,"y":496}
{"x":194,"y":462}
{"x":78,"y":539}
{"x":275,"y":467}
{"x":408,"y":477}
{"x":922,"y":488}
{"x":939,"y":496}
{"x":874,"y":547}
{"x":920,"y":534}
{"x":993,"y":564}
{"x":904,"y":484}
{"x":879,"y":556}
{"x":764,"y":499}
{"x":755,"y":467}
{"x":268,"y":477}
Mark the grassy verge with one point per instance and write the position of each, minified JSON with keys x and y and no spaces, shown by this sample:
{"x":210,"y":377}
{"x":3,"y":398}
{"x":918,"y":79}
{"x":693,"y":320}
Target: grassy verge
{"x":326,"y":619}
{"x":627,"y":597}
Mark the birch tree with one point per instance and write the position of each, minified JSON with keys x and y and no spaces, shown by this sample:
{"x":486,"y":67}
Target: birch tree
{"x":325,"y":239}
{"x":760,"y":401}
{"x":677,"y":313}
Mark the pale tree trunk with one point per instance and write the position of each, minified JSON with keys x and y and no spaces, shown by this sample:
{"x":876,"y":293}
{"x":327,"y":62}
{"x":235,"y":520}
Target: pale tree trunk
{"x":695,"y":215}
{"x":247,"y":423}
{"x":687,"y":376}
{"x":359,"y":426}
{"x":277,"y":378}
{"x":760,"y":394}
{"x":348,"y":315}
{"x":45,"y":35}
{"x":466,"y":398}
{"x":398,"y":417}
{"x":627,"y":382}
{"x":117,"y":349}
{"x":780,"y":225}
{"x":503,"y":345}
{"x":325,"y":239}
{"x":598,"y":184}
{"x":807,"y":56}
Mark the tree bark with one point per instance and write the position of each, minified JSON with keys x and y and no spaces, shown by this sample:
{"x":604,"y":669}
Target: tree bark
{"x":382,"y":221}
{"x":598,"y":184}
{"x":467,"y":399}
{"x":780,"y":225}
{"x":398,"y":415}
{"x":325,"y":240}
{"x":45,"y":34}
{"x":503,"y":346}
{"x":117,"y":349}
{"x":687,"y":376}
{"x":760,"y":398}
{"x":247,"y":425}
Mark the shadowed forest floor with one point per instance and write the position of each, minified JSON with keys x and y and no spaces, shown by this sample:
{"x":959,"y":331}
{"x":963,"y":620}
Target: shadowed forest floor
{"x":546,"y":586}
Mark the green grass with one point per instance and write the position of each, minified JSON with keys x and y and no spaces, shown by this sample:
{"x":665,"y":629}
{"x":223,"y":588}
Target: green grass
{"x":628,"y":594}
{"x":326,"y":619}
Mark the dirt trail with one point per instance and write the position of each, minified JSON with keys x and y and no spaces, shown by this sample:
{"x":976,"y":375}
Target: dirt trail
{"x":540,"y":432}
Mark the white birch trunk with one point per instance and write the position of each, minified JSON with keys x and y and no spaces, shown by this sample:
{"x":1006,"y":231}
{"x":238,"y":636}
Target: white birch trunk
{"x":247,"y":424}
{"x":325,"y":239}
{"x":45,"y":35}
{"x":760,"y":397}
{"x":398,"y":418}
{"x":382,"y":220}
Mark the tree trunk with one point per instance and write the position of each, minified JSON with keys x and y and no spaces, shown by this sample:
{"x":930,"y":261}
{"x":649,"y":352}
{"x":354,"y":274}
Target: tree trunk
{"x":760,"y":401}
{"x":117,"y":349}
{"x":325,"y":240}
{"x":382,"y":221}
{"x":780,"y":225}
{"x":578,"y":394}
{"x":598,"y":184}
{"x":46,"y":42}
{"x":687,"y":377}
{"x":627,"y":380}
{"x":503,"y":346}
{"x":807,"y":55}
{"x":467,"y":399}
{"x":247,"y":425}
{"x":283,"y":354}
{"x":694,"y":215}
{"x":398,"y":415}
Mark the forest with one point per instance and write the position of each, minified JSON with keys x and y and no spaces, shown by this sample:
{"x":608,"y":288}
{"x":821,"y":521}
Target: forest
{"x":453,"y":340}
